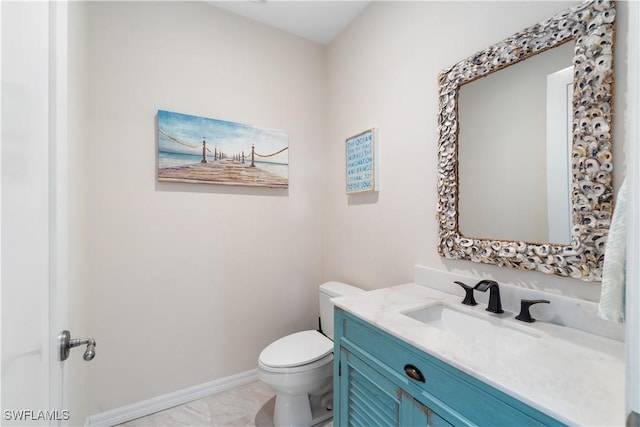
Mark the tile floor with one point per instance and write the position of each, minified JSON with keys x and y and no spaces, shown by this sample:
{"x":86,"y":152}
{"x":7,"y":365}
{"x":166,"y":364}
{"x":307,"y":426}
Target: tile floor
{"x":248,"y":405}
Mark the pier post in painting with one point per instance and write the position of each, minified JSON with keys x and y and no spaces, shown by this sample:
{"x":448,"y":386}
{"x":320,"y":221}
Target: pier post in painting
{"x":204,"y":151}
{"x":253,"y":151}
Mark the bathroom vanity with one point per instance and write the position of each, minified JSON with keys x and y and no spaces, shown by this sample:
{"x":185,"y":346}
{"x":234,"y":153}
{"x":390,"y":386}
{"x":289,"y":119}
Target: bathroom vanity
{"x":411,"y":355}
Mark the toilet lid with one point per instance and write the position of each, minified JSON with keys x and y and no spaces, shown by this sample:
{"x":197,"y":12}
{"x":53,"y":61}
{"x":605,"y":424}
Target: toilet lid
{"x":296,"y":349}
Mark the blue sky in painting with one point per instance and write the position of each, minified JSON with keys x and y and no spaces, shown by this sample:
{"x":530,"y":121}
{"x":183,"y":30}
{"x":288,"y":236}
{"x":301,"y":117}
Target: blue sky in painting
{"x":230,"y":137}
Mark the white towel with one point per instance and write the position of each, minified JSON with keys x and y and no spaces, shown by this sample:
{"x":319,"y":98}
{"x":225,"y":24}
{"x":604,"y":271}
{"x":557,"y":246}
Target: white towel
{"x":611,"y":305}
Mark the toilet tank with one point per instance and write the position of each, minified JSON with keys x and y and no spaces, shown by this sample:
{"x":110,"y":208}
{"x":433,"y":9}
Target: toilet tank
{"x":328,"y":291}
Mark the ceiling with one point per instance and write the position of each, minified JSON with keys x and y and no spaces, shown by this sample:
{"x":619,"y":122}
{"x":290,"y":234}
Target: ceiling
{"x":318,"y":21}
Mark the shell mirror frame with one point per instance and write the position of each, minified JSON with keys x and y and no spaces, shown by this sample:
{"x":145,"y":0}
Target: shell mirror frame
{"x":591,"y":25}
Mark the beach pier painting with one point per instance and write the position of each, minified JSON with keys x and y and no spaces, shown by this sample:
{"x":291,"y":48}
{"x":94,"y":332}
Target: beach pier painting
{"x":196,"y":149}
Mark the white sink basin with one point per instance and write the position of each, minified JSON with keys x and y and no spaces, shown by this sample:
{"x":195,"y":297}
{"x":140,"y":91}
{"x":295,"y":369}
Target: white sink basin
{"x":472,"y":328}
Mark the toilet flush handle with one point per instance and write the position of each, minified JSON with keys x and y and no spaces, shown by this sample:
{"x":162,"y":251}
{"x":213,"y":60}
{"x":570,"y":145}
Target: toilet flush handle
{"x":66,"y":344}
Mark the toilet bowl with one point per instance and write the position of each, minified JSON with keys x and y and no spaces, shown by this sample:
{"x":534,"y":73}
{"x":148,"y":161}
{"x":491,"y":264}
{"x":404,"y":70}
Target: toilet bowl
{"x":299,"y":367}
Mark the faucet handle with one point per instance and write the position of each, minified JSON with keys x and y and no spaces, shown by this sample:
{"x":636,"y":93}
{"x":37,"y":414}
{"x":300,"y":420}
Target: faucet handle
{"x":525,"y":304}
{"x":468,"y":298}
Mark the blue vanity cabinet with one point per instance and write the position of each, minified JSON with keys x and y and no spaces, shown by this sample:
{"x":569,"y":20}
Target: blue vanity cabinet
{"x":380,"y":380}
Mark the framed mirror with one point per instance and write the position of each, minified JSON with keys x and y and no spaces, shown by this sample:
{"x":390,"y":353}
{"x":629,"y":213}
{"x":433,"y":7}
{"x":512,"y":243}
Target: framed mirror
{"x":524,"y":153}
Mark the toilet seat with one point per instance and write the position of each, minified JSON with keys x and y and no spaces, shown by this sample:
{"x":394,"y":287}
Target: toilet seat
{"x":296,"y":352}
{"x":327,"y":360}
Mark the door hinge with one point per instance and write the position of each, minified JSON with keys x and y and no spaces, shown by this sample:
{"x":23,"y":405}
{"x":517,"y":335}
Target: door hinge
{"x":339,"y":368}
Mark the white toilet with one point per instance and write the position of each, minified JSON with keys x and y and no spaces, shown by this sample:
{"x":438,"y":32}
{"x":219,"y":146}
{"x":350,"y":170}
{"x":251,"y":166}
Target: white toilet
{"x":299,"y":367}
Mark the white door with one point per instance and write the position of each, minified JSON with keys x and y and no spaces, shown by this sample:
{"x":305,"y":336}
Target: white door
{"x":33,"y":212}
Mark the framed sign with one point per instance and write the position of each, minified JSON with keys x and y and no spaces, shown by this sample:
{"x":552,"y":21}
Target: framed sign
{"x":362,"y":162}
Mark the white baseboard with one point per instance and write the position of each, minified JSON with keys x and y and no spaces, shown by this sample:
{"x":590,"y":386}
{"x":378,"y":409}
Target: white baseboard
{"x":169,"y":400}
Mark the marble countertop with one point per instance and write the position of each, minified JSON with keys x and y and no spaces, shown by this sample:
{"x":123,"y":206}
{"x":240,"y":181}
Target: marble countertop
{"x":573,"y":376}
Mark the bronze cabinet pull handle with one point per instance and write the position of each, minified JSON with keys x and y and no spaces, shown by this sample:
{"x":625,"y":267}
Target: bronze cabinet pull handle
{"x":414,"y":373}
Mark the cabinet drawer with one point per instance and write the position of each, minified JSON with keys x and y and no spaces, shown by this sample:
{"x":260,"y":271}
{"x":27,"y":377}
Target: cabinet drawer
{"x":443,"y":386}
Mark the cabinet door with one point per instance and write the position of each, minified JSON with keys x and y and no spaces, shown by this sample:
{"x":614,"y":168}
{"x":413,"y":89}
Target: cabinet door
{"x":367,"y":398}
{"x":415,"y":413}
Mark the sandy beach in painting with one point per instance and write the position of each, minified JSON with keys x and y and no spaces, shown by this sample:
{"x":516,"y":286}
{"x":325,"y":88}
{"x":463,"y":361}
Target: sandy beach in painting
{"x":227,"y":171}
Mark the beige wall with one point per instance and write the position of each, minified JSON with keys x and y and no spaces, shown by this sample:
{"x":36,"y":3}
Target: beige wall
{"x":382,"y":71}
{"x":188,"y":283}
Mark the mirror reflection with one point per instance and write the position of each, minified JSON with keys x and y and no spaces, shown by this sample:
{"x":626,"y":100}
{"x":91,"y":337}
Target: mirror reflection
{"x":514,"y":181}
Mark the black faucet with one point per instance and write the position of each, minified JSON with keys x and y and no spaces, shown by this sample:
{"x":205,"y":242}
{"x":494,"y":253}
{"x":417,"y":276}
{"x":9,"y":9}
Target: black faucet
{"x":525,"y":315}
{"x":495,"y":305}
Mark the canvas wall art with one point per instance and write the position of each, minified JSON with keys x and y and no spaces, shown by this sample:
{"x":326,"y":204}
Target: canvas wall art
{"x":196,"y":149}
